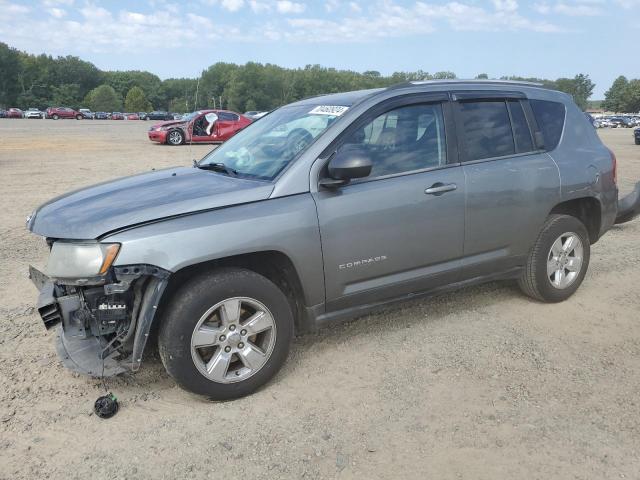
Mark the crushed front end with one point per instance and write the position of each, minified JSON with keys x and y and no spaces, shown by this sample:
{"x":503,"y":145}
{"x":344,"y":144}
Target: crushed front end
{"x":103,"y":313}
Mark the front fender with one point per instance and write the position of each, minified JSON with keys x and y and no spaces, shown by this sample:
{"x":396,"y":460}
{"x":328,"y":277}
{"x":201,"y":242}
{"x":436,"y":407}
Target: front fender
{"x":288,"y":225}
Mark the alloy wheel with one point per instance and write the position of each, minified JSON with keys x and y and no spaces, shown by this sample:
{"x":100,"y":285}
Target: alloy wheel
{"x":565,"y":259}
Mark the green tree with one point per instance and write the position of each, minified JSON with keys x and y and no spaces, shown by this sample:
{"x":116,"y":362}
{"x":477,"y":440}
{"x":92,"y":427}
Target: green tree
{"x":482,"y":76}
{"x":631,"y":102}
{"x":9,"y":75}
{"x":614,"y":97}
{"x":136,"y":101}
{"x":67,"y":95}
{"x":580,"y":87}
{"x":103,"y":99}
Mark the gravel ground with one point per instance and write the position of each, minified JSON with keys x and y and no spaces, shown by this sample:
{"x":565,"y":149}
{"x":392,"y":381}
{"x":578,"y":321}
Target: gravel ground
{"x":479,"y":384}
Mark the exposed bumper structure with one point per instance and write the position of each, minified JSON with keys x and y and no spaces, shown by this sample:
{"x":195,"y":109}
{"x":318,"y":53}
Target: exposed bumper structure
{"x":158,"y":136}
{"x":103,"y":327}
{"x":629,"y":206}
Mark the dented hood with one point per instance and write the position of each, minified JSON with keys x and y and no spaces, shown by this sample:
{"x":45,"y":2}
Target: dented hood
{"x":91,"y":212}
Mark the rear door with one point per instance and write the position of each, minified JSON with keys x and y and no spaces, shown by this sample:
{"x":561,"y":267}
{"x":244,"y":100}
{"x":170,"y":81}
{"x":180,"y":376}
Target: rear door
{"x":511,"y":184}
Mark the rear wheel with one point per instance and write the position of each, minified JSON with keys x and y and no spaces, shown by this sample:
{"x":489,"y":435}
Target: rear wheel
{"x":175,"y":137}
{"x":55,"y":116}
{"x":226,"y":333}
{"x":558,"y":261}
{"x":78,"y":117}
{"x":637,"y":141}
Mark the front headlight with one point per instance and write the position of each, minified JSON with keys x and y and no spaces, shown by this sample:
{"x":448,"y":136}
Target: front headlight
{"x":80,"y":259}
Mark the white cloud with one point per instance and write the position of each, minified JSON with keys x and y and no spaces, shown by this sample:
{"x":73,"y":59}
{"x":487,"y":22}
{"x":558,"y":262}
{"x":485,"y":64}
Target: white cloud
{"x":259,"y":7}
{"x":331,"y":5}
{"x":232,"y":5}
{"x":355,"y":7}
{"x":583,"y":8}
{"x":56,"y":12}
{"x":287,"y":6}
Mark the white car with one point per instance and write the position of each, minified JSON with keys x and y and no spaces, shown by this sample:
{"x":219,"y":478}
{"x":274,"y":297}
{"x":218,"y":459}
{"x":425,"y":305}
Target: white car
{"x":33,"y":113}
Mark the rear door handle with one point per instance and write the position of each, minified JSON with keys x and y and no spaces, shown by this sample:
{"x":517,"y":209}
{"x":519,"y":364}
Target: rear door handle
{"x":439,"y":188}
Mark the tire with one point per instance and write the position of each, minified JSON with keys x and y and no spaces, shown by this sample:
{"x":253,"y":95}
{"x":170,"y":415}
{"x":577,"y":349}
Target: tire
{"x":205,"y":298}
{"x":175,"y":137}
{"x":78,"y":117}
{"x":542,"y":279}
{"x":55,"y":116}
{"x":637,"y":141}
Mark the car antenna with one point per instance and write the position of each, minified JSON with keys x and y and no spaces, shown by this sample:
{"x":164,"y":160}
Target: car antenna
{"x":195,"y":105}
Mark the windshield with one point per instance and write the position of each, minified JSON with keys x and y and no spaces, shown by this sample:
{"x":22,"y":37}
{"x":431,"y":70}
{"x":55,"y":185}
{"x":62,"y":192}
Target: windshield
{"x":265,"y":148}
{"x":189,"y":116}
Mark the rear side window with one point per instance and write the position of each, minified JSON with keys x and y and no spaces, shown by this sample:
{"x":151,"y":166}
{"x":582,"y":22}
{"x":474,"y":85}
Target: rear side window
{"x":228,"y":117}
{"x":521,"y":132}
{"x":487,"y":129}
{"x":550,"y":118}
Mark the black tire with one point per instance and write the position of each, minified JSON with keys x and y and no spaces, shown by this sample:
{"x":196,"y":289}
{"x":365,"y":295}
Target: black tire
{"x":175,"y":137}
{"x":637,"y":141}
{"x":535,"y":282}
{"x":78,"y":117}
{"x":55,"y":116}
{"x":189,"y":304}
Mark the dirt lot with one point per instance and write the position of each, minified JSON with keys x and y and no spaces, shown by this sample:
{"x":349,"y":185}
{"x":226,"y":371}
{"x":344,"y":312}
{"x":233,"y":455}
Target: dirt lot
{"x":479,"y":384}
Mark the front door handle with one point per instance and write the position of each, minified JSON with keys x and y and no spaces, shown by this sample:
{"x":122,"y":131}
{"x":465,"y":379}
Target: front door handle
{"x":440,"y":188}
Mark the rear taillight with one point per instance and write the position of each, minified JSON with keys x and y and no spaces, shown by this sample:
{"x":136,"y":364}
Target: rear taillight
{"x":614,"y":162}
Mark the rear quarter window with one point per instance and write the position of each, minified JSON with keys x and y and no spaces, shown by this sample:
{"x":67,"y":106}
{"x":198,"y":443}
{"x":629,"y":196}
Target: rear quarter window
{"x":550,"y":118}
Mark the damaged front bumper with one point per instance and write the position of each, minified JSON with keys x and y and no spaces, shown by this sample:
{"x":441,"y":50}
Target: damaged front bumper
{"x":103,"y":325}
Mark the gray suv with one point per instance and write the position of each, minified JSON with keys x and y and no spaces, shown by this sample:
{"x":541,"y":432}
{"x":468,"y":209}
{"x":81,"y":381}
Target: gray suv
{"x":323,"y":210}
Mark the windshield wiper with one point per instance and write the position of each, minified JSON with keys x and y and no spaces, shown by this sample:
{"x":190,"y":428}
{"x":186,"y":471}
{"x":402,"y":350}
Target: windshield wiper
{"x":216,"y":167}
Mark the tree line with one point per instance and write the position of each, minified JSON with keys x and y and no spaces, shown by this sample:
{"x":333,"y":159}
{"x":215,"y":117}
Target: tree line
{"x":41,"y":81}
{"x":623,"y":96}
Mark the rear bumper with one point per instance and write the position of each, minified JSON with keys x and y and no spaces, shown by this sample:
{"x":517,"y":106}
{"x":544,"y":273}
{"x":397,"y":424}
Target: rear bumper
{"x":629,"y":206}
{"x":158,"y":136}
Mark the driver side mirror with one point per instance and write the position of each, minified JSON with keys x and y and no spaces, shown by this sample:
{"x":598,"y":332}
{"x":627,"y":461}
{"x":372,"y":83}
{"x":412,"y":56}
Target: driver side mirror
{"x":348,"y":163}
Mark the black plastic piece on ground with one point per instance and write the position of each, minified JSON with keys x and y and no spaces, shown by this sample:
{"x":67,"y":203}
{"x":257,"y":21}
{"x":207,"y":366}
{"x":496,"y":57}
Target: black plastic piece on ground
{"x":106,"y":406}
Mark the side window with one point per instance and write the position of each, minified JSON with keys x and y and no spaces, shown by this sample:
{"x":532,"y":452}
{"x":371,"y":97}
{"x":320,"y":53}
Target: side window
{"x":550,"y":118}
{"x":403,"y":140}
{"x":521,"y":132}
{"x":486,"y":129}
{"x":228,"y":117}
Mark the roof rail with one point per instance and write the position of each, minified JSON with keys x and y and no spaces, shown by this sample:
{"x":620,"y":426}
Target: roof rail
{"x":412,"y":83}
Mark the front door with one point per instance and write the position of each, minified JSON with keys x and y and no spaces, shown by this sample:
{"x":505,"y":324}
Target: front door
{"x":400,"y":230}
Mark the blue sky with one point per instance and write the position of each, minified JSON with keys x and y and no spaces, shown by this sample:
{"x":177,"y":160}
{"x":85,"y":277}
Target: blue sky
{"x":541,"y":38}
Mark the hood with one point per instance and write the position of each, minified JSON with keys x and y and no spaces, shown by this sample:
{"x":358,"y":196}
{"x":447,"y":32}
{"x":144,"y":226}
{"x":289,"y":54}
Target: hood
{"x":169,"y":123}
{"x":91,"y":212}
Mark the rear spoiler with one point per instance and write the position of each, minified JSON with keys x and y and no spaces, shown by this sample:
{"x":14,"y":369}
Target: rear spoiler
{"x":629,"y":206}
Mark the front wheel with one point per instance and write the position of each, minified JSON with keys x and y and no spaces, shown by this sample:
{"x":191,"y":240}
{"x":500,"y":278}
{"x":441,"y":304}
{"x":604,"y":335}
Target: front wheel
{"x":226,"y":333}
{"x":637,"y":141}
{"x":558,"y":261}
{"x":78,"y":117}
{"x":175,"y":137}
{"x":55,"y":117}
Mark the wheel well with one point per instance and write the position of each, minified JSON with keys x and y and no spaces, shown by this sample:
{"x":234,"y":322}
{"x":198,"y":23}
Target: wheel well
{"x":274,"y":265}
{"x":587,"y":210}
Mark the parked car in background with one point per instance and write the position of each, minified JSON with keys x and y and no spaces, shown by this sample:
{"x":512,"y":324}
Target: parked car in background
{"x":324,"y":210}
{"x":254,"y":115}
{"x":63,"y":112}
{"x":116,"y":116}
{"x":620,"y":122}
{"x":33,"y":113}
{"x":101,"y":116}
{"x":203,"y":126}
{"x":87,"y":114}
{"x":15,"y":113}
{"x":159,"y":115}
{"x":131,"y":116}
{"x":636,"y":135}
{"x":143,"y":115}
{"x":3,"y":113}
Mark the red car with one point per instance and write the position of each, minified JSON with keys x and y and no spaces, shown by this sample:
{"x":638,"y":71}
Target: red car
{"x":199,"y":127}
{"x":116,"y":116}
{"x":132,"y":116}
{"x":14,"y":113}
{"x":63,"y":112}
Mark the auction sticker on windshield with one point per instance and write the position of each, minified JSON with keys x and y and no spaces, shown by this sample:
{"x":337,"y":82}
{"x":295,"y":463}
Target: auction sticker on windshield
{"x":333,"y":110}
